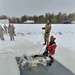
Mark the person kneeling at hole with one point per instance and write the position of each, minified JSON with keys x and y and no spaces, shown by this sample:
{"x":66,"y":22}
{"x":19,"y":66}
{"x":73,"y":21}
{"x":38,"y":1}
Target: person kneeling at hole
{"x":50,"y":50}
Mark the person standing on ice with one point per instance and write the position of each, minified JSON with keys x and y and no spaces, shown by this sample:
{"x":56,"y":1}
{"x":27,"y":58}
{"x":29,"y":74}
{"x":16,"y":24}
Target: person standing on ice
{"x":13,"y":28}
{"x":5,"y":29}
{"x":1,"y":33}
{"x":11,"y":32}
{"x":47,"y":29}
{"x":50,"y":50}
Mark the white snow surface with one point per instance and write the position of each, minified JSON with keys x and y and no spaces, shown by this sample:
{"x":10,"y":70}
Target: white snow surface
{"x":29,"y":40}
{"x":8,"y":66}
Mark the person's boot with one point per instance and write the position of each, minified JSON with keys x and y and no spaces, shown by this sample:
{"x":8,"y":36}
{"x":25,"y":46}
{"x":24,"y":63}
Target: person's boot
{"x":44,"y":43}
{"x":49,"y":63}
{"x":10,"y":39}
{"x":3,"y":39}
{"x":13,"y":39}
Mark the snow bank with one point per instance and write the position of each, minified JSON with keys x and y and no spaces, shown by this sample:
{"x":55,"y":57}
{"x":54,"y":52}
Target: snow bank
{"x":8,"y":66}
{"x":25,"y":47}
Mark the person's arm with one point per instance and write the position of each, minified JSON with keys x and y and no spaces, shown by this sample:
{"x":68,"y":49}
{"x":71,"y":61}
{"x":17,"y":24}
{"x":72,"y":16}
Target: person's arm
{"x":44,"y":27}
{"x":53,"y":48}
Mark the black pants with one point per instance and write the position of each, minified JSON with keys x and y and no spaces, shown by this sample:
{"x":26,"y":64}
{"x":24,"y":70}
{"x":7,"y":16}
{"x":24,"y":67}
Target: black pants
{"x":49,"y":63}
{"x":52,"y":59}
{"x":45,"y":54}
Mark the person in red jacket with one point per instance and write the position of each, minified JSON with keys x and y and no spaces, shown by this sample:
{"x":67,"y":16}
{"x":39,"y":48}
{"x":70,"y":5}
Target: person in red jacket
{"x":50,"y":49}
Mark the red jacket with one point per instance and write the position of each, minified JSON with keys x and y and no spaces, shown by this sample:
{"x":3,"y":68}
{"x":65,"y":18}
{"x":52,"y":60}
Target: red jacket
{"x":51,"y":47}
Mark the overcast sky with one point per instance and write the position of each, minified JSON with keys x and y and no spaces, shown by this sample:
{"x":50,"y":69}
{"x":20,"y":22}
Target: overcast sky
{"x":19,"y":8}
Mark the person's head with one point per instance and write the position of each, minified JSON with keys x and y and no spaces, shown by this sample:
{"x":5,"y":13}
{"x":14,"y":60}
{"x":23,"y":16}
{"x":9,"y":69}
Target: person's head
{"x":52,"y":38}
{"x":48,"y":21}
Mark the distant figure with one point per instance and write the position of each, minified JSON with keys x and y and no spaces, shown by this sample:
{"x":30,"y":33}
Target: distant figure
{"x":11,"y":32}
{"x":13,"y":28}
{"x":1,"y":33}
{"x":5,"y":29}
{"x":47,"y":32}
{"x":50,"y":50}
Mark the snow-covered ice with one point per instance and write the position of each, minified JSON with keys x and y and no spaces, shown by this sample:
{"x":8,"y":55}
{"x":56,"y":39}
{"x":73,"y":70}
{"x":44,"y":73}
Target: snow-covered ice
{"x":8,"y":66}
{"x":29,"y":40}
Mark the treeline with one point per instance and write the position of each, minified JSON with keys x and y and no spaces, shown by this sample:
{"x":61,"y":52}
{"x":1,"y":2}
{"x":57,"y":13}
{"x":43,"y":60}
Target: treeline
{"x":59,"y":18}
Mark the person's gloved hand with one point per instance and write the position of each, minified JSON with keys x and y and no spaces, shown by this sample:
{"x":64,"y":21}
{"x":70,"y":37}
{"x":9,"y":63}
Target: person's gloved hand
{"x":43,"y":28}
